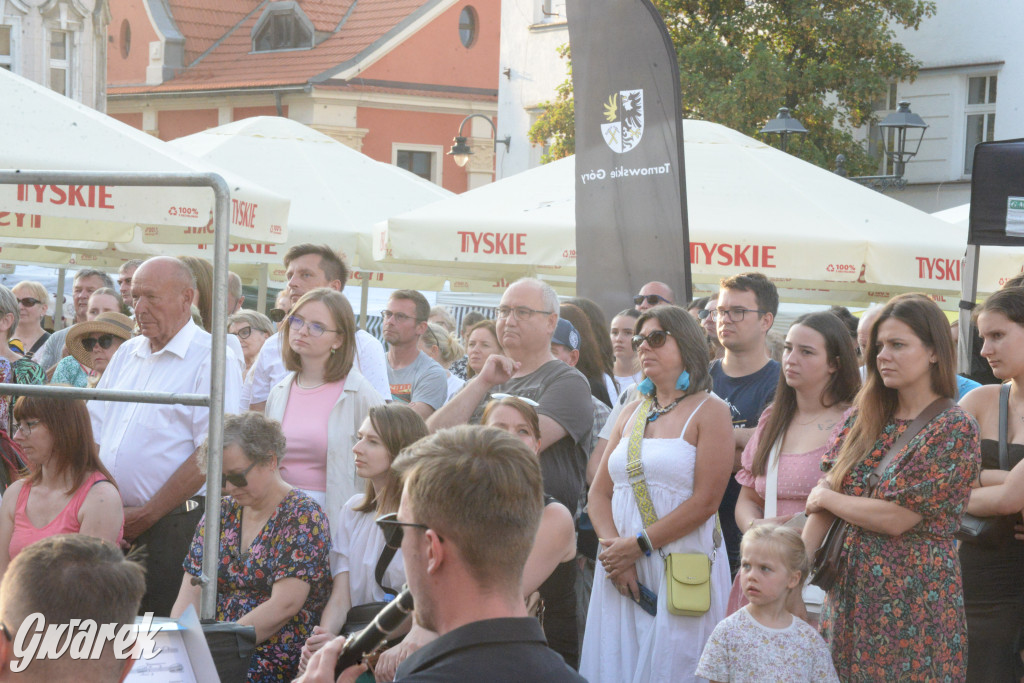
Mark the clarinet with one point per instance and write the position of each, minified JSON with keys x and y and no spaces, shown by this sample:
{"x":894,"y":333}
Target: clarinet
{"x":359,"y":644}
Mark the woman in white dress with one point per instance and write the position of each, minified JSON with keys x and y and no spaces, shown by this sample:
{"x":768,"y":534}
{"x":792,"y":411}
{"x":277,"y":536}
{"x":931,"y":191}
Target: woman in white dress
{"x":687,"y":453}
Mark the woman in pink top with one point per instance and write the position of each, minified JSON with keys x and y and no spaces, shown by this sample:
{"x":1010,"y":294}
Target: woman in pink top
{"x":819,"y":379}
{"x":67,"y":489}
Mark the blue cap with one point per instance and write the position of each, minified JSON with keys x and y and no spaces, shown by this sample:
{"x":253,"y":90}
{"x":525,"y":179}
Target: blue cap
{"x":566,"y":335}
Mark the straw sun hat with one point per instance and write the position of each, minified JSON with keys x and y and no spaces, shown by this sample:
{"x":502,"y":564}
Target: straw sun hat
{"x":105,"y":323}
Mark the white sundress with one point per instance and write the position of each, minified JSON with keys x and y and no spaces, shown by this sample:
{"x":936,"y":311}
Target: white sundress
{"x":622,"y":643}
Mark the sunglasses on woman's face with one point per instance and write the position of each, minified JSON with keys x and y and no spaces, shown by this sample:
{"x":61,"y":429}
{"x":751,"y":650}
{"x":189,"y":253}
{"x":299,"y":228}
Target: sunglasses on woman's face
{"x":236,"y":479}
{"x":276,"y":315}
{"x":393,"y":531}
{"x":105,"y":341}
{"x":29,"y":302}
{"x":656,"y":339}
{"x":243,"y":332}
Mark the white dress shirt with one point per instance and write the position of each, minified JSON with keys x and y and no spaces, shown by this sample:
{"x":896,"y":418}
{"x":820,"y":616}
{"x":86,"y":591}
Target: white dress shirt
{"x":142,"y":444}
{"x":269,"y":368}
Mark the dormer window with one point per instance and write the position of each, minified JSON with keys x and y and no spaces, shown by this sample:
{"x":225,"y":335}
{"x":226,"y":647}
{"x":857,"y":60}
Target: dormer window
{"x":283,"y":26}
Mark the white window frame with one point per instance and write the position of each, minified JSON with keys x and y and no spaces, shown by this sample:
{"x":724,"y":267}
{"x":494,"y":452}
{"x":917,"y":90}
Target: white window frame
{"x":14,"y":24}
{"x":437,"y":150}
{"x":983,"y":109}
{"x":67,"y":64}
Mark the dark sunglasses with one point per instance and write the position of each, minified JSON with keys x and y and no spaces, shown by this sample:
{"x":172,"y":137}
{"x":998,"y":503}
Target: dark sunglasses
{"x":29,"y":302}
{"x":276,"y":314}
{"x":655,"y":339}
{"x":392,"y":529}
{"x":652,"y":299}
{"x":104,"y":340}
{"x":236,"y":479}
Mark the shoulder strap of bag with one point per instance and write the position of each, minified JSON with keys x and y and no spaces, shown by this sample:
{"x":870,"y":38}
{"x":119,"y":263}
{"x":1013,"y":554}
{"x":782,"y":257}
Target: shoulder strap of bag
{"x":635,"y":466}
{"x":771,"y":485}
{"x":919,"y":423}
{"x":1004,"y":409}
{"x":386,"y":555}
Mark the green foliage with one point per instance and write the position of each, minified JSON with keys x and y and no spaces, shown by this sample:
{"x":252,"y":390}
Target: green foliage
{"x":829,"y":61}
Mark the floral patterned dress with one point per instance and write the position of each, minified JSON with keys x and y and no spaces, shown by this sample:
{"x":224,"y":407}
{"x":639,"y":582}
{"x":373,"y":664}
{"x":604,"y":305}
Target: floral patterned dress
{"x":295,"y":542}
{"x":896,"y":611}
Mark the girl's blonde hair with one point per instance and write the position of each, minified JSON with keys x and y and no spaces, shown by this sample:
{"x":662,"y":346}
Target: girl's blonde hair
{"x":784,"y":542}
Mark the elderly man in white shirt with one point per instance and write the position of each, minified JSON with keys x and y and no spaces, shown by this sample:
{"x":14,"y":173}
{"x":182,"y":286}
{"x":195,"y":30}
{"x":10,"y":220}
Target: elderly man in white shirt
{"x":308,"y":266}
{"x":151,"y":449}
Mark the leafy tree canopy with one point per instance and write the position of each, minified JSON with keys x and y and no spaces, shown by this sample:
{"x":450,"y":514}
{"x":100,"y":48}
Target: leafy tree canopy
{"x":829,"y":61}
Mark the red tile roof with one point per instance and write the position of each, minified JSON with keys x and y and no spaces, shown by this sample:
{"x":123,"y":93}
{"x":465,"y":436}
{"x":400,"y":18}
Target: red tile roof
{"x":226,"y":33}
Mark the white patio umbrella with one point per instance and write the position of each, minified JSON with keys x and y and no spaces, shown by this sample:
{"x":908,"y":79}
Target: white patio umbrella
{"x":821,"y":237}
{"x":43,"y":131}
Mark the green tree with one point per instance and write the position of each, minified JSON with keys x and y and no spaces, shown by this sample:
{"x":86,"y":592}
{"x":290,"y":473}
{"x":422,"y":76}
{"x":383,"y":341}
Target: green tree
{"x":829,"y":61}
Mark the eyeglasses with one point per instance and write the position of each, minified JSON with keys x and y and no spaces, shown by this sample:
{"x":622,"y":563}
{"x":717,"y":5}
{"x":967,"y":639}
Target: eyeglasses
{"x":703,"y":314}
{"x":520,"y":312}
{"x":652,"y":299}
{"x":236,"y":479}
{"x":392,"y":529}
{"x":734,"y":314}
{"x":314,"y":329}
{"x":29,"y":302}
{"x":276,"y":315}
{"x":527,"y":401}
{"x":243,"y":332}
{"x":656,"y":339}
{"x":26,"y":427}
{"x":105,"y":341}
{"x":399,"y":317}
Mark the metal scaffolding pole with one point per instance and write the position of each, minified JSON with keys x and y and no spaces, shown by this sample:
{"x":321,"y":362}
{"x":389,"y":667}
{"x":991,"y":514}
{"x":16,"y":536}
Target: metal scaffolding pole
{"x":221,"y":223}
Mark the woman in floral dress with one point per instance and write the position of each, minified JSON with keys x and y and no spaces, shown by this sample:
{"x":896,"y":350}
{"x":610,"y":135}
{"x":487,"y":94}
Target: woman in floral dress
{"x":274,"y":573}
{"x":896,"y":611}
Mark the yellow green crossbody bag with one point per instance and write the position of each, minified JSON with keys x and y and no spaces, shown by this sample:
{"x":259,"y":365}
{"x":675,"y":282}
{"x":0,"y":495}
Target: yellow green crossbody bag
{"x":687,"y":575}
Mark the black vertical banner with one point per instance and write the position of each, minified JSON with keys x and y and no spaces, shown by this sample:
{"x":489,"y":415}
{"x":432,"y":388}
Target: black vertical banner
{"x":997,"y":194}
{"x":631,"y":224}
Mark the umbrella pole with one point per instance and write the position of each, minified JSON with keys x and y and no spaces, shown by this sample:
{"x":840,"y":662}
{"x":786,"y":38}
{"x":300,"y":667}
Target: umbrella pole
{"x":261,"y":296}
{"x":364,"y":298}
{"x":58,"y":311}
{"x":968,"y":295}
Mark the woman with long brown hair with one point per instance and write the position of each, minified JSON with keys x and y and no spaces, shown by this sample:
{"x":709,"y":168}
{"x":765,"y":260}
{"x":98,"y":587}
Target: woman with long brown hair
{"x":896,"y":608}
{"x":67,"y":489}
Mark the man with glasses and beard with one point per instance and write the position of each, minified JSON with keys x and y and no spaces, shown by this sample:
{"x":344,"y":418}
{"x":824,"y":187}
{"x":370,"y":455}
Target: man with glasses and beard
{"x":527,"y":317}
{"x":745,"y":377}
{"x":470,"y":510}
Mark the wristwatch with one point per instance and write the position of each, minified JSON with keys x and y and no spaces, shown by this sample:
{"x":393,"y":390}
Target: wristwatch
{"x":645,"y":543}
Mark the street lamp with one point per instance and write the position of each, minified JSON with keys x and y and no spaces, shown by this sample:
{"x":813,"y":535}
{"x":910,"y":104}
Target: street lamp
{"x":783,"y":125}
{"x":461,"y":150}
{"x":906,"y":126}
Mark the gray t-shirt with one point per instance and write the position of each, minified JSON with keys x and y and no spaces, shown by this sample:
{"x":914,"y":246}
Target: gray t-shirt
{"x":564,"y":395}
{"x":424,"y":381}
{"x":49,"y":355}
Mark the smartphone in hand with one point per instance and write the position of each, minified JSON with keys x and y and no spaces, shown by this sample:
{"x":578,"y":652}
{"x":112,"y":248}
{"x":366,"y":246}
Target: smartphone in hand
{"x":648,"y":599}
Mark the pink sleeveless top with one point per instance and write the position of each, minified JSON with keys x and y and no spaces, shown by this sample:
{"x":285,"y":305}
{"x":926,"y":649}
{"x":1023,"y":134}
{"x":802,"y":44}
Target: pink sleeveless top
{"x":25,"y":533}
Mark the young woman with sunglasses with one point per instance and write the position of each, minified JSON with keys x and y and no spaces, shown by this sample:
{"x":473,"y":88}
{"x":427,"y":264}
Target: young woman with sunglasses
{"x":683,"y":438}
{"x":67,"y":489}
{"x":274,"y":543}
{"x":33,"y":300}
{"x":322,"y":401}
{"x":357,"y":543}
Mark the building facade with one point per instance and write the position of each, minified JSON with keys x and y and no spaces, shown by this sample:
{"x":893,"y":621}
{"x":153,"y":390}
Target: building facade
{"x":61,"y":44}
{"x":391,"y":78}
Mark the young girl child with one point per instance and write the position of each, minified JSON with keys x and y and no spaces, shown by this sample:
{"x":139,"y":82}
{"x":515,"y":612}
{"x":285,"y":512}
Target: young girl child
{"x":763,"y":641}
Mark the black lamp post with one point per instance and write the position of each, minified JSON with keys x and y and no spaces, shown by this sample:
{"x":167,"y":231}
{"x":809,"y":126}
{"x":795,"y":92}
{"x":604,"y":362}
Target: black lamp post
{"x":461,"y":150}
{"x":908,"y":132}
{"x":783,"y":125}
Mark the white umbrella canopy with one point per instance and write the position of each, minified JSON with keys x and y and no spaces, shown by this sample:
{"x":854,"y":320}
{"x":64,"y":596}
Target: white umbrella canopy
{"x":819,"y":236}
{"x":43,"y":131}
{"x":337,"y":193}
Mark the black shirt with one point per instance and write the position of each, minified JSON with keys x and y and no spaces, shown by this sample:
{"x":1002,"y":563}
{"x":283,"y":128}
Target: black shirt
{"x":509,"y":650}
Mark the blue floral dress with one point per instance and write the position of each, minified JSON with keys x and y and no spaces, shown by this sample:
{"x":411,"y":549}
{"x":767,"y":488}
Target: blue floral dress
{"x":295,"y":542}
{"x":896,"y":611}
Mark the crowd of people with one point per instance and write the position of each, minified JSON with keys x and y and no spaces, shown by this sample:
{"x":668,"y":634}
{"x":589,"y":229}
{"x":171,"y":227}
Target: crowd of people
{"x":567,"y":496}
